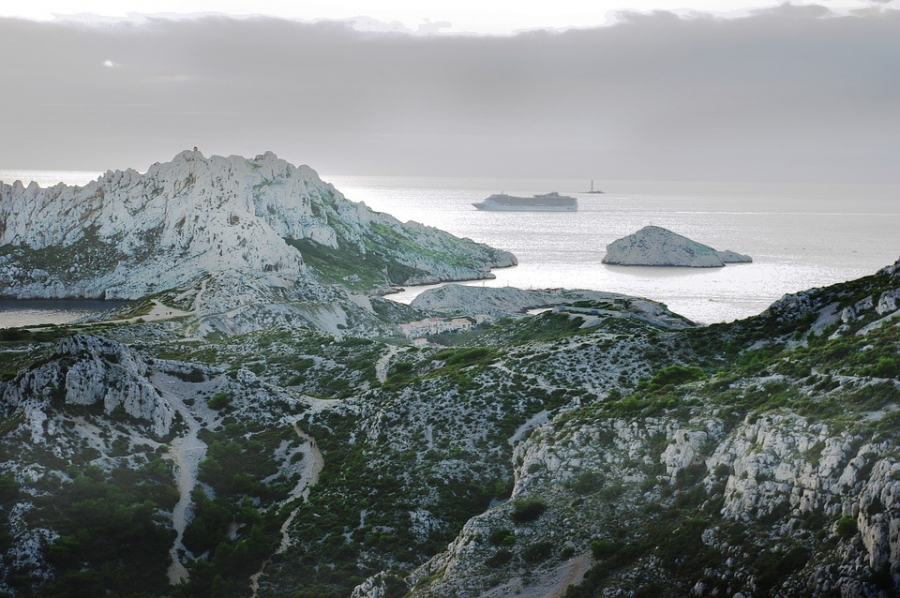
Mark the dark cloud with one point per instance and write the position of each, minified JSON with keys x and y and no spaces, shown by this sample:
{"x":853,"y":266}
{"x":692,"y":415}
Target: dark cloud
{"x":793,"y":93}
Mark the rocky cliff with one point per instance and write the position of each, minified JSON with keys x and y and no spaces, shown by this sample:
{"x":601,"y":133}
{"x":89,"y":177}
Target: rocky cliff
{"x":657,"y":246}
{"x":128,"y":234}
{"x":602,"y":448}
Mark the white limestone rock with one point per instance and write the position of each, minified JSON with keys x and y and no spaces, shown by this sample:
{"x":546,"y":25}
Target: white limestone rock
{"x":684,"y":449}
{"x":87,"y":370}
{"x":777,"y":469}
{"x":857,"y":310}
{"x":657,"y":246}
{"x":511,"y":302}
{"x":128,"y":234}
{"x":453,"y":298}
{"x":888,"y":302}
{"x":372,"y":587}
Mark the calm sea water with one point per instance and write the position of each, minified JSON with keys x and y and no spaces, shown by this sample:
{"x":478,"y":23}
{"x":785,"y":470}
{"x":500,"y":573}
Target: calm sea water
{"x":800,"y":236}
{"x":31,"y":312}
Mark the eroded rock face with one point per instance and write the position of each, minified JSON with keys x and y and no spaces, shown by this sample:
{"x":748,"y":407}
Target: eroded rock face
{"x":87,"y":371}
{"x":128,"y":234}
{"x":657,"y":246}
{"x":771,"y":473}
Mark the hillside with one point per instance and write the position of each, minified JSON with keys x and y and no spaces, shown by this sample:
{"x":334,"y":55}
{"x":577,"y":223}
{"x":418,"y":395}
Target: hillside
{"x":758,"y":457}
{"x":269,"y":433}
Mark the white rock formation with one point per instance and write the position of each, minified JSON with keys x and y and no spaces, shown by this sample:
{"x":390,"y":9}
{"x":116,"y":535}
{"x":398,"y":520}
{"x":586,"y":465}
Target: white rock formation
{"x":510,"y":301}
{"x":129,"y":234}
{"x":657,"y":246}
{"x":500,"y":300}
{"x":88,"y":370}
{"x":777,"y":464}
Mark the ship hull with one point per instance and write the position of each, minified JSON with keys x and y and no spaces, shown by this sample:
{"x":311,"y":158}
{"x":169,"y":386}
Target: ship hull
{"x":548,"y":202}
{"x":535,"y":208}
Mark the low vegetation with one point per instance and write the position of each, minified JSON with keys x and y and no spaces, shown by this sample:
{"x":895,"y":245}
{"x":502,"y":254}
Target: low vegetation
{"x":608,"y":435}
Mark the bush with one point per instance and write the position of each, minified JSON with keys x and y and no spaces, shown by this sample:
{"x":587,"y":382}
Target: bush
{"x":196,"y":375}
{"x":219,"y":401}
{"x":586,"y":482}
{"x":602,"y":549}
{"x":772,"y":568}
{"x":14,"y":334}
{"x":538,"y":552}
{"x":500,"y":558}
{"x":886,"y":368}
{"x":675,"y":374}
{"x":464,"y":357}
{"x":9,"y":489}
{"x":527,"y":510}
{"x":502,"y":537}
{"x":846,"y":527}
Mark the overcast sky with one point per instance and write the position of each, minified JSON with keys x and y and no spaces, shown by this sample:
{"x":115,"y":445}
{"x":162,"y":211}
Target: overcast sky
{"x":762,"y":93}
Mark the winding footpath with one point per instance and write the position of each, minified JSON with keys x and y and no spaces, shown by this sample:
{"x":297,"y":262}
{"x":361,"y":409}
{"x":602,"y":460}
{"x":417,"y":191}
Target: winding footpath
{"x":313,"y":464}
{"x":312,"y":457}
{"x":186,"y":454}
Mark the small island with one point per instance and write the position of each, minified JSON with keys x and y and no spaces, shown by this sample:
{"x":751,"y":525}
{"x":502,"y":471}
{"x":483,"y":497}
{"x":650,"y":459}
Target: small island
{"x":657,"y":246}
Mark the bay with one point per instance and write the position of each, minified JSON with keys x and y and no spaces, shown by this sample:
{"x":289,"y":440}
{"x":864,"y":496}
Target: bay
{"x":799,"y":236}
{"x":16,"y":313}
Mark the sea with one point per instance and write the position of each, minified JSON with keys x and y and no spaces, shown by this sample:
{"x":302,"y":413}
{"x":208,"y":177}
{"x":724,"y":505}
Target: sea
{"x":800,"y":236}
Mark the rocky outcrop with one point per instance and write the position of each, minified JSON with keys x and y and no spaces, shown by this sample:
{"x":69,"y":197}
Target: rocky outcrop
{"x":657,"y":246}
{"x":238,"y":302}
{"x":470,"y":300}
{"x":87,"y":371}
{"x":773,"y":472}
{"x":512,"y":302}
{"x":872,"y":305}
{"x":128,"y":234}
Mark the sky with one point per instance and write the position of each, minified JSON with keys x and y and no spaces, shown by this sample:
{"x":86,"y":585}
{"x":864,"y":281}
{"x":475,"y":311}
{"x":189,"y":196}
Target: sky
{"x":649,"y":90}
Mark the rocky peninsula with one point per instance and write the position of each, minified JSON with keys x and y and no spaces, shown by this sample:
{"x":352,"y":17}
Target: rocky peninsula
{"x":129,"y":234}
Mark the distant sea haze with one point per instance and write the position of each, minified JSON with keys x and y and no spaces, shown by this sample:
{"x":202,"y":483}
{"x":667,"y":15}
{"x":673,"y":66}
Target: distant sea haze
{"x":799,"y":236}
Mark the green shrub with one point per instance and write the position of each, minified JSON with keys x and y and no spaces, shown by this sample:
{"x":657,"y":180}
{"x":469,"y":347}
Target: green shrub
{"x":502,"y":537}
{"x":674,"y":374}
{"x":196,"y":375}
{"x":9,"y":489}
{"x":527,"y":510}
{"x":586,"y":482}
{"x":538,"y":552}
{"x":603,"y":549}
{"x":846,"y":527}
{"x":219,"y":401}
{"x":14,"y":334}
{"x":498,"y":559}
{"x":772,"y":568}
{"x":886,"y":367}
{"x":464,"y":357}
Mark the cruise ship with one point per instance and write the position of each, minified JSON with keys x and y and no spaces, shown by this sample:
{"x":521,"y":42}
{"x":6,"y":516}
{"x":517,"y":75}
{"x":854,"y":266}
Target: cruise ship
{"x":548,"y":202}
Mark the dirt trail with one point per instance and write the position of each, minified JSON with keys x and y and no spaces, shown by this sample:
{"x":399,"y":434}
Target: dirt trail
{"x":186,"y":453}
{"x":313,"y":464}
{"x":160,"y":311}
{"x":381,"y":366}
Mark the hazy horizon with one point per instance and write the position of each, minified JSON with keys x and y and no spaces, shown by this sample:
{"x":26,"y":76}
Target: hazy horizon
{"x":790,"y":94}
